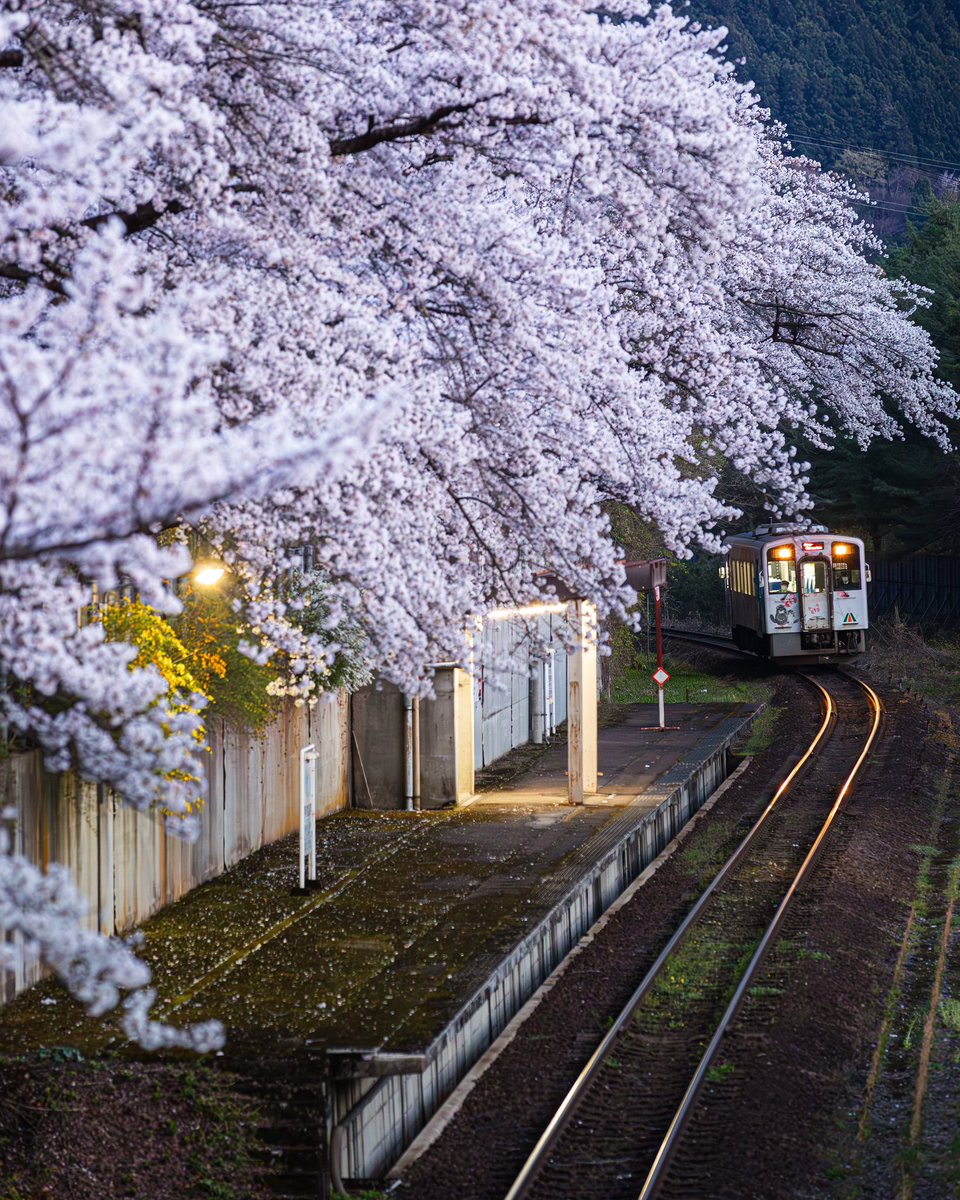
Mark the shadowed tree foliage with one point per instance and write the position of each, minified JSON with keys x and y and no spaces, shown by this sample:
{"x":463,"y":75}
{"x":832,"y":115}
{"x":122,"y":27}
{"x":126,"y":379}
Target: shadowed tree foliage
{"x":861,"y":74}
{"x":866,"y":87}
{"x":900,"y":496}
{"x":905,"y":496}
{"x":931,"y":257}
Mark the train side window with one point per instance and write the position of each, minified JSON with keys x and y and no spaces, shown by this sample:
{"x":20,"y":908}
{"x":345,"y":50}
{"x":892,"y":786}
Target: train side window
{"x":846,"y":572}
{"x":781,"y":576}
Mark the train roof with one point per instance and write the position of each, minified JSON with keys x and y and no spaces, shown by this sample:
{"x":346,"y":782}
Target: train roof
{"x":784,"y":529}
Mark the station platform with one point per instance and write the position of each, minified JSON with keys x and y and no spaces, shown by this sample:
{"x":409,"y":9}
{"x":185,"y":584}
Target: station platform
{"x":427,"y":931}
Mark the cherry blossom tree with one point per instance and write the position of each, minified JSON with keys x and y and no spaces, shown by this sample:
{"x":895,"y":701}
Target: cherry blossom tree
{"x":416,"y":285}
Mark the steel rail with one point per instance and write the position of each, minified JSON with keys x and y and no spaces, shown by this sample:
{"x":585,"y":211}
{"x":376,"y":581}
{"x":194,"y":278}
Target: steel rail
{"x":558,"y":1122}
{"x":677,"y":1125}
{"x":706,"y":639}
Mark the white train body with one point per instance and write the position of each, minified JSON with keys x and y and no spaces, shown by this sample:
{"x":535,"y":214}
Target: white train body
{"x":797,"y":595}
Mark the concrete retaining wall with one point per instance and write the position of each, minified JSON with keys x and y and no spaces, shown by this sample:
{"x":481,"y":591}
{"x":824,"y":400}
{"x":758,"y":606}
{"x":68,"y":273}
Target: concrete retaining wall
{"x":122,"y":861}
{"x":471,"y":721}
{"x":446,"y":743}
{"x":381,"y":1116}
{"x":501,"y":699}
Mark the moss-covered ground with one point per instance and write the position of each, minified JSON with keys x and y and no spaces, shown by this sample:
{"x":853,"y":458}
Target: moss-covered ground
{"x":412,"y":913}
{"x":85,"y":1129}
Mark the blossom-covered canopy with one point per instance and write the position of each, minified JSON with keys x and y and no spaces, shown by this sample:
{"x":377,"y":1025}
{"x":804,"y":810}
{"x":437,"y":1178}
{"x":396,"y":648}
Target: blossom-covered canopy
{"x":418,"y":284}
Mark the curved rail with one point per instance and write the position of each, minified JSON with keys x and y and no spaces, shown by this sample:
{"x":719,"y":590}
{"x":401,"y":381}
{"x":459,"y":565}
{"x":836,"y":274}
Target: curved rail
{"x":706,"y":639}
{"x":548,"y":1138}
{"x":677,"y":1125}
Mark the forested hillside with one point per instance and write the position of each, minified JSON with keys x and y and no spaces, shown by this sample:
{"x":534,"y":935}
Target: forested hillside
{"x":857,"y":76}
{"x":905,"y":495}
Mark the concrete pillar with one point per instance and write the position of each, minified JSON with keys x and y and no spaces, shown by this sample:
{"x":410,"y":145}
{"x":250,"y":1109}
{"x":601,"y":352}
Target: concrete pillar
{"x":463,"y":716}
{"x":378,"y":765}
{"x":446,"y":740}
{"x":582,"y":704}
{"x":537,"y":715}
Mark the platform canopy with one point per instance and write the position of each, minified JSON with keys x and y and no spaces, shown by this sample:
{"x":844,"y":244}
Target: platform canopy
{"x":646,"y":574}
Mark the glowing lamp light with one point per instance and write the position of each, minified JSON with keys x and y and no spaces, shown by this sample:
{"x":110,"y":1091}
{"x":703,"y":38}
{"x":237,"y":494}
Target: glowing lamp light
{"x":783,"y":552}
{"x":526,"y":610}
{"x":840,"y":550}
{"x":209,"y":574}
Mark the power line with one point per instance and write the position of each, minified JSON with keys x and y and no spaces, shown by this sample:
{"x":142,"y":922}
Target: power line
{"x":913,"y":159}
{"x":890,"y":205}
{"x":891,"y":202}
{"x":919,"y":158}
{"x":898,"y":212}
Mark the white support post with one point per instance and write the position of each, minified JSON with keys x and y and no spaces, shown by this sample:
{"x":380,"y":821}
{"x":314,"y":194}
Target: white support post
{"x":463,"y":721}
{"x":550,"y":684}
{"x":308,"y":815}
{"x":582,"y":704}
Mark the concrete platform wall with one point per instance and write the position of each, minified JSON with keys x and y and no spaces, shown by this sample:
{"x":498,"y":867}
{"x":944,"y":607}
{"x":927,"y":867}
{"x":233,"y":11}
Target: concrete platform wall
{"x":501,"y":698}
{"x":381,"y":1116}
{"x":122,"y":861}
{"x":378,"y":717}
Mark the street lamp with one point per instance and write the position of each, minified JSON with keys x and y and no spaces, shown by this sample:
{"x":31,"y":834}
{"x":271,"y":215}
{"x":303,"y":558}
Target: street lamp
{"x":208,"y":573}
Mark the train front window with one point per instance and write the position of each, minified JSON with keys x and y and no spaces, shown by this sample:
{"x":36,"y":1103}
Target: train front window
{"x":846,"y":567}
{"x":781,"y":574}
{"x":813,"y":576}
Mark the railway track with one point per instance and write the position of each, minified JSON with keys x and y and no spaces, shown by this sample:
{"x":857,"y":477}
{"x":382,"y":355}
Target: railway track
{"x":619,"y":1130}
{"x":713,"y":640}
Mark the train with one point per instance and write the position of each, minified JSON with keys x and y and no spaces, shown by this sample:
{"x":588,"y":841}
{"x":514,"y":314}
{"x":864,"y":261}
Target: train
{"x":797,"y":594}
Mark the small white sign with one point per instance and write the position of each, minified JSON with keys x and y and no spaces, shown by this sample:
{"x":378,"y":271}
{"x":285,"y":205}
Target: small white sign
{"x":660,"y":677}
{"x":308,"y":815}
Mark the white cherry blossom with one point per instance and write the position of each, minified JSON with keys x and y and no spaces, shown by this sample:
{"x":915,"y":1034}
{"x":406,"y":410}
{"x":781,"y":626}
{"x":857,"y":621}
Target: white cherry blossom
{"x":417,"y":285}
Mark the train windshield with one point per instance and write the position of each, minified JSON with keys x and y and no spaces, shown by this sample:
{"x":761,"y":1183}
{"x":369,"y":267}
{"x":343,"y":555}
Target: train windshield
{"x":813,"y":576}
{"x":781,"y":572}
{"x":846,"y":567}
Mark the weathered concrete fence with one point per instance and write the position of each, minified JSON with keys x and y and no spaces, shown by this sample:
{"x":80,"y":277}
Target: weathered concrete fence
{"x":124,"y":863}
{"x":127,"y":867}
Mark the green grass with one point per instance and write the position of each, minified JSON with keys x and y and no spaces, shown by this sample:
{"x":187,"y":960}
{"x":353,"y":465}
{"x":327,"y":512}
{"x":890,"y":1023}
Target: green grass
{"x":950,"y":1014}
{"x":706,"y":853}
{"x":694,"y":969}
{"x":763,"y":731}
{"x":789,"y":948}
{"x":686,"y":685}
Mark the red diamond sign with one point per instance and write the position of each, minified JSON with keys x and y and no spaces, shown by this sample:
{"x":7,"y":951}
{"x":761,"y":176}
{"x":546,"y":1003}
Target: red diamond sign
{"x":660,"y":676}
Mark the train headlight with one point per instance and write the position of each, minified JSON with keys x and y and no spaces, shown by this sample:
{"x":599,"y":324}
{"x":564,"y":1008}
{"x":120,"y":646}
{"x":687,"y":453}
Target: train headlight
{"x":841,"y":549}
{"x":783,"y":552}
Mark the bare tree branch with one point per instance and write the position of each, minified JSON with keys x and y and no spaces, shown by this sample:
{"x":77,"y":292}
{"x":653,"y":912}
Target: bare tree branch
{"x":394,"y":133}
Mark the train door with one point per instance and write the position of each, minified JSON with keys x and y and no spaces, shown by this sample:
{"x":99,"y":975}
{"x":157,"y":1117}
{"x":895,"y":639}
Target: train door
{"x":816,"y":594}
